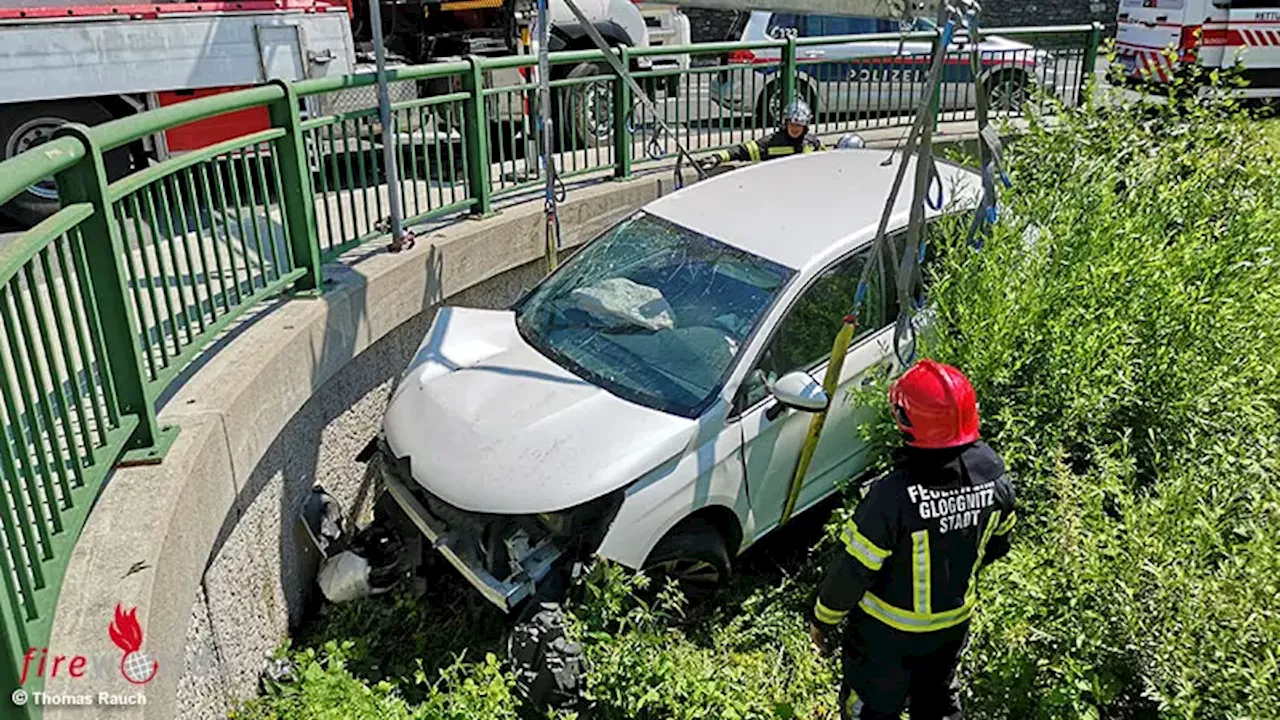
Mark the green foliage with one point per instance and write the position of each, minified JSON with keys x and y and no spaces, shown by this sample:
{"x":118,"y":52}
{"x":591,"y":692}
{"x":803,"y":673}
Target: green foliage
{"x":748,"y":659}
{"x":1121,"y":328}
{"x":1121,"y":332}
{"x":327,"y":690}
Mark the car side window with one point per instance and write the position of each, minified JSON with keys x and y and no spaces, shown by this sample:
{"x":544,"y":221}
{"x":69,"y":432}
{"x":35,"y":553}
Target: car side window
{"x":899,"y":240}
{"x":828,"y":25}
{"x":782,"y":25}
{"x":803,"y":339}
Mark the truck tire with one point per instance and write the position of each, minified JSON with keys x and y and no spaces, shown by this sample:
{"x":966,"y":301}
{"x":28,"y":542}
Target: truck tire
{"x":587,"y":108}
{"x":695,"y":554}
{"x":26,"y":125}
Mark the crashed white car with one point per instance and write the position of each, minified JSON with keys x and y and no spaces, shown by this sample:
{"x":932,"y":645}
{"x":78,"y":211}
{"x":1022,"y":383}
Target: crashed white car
{"x":647,"y":401}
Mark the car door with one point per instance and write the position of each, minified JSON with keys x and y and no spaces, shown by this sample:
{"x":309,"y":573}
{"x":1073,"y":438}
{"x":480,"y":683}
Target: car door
{"x":886,"y":75}
{"x":772,"y":434}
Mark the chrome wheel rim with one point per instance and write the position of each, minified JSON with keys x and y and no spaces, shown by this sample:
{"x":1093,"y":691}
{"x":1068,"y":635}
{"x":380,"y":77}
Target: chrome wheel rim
{"x":596,"y":112}
{"x":775,"y":108}
{"x":1008,"y":96}
{"x":28,"y":135}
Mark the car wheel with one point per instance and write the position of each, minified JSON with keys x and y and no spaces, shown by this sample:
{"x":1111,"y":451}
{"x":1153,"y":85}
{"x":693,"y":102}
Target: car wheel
{"x":695,"y":555}
{"x":27,"y":125}
{"x":1008,"y":92}
{"x":587,"y":107}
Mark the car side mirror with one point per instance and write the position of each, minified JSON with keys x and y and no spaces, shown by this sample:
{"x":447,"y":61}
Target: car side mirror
{"x":799,"y":391}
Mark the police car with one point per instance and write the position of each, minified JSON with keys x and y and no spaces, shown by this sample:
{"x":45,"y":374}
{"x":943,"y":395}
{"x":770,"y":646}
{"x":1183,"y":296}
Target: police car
{"x":647,"y":401}
{"x":875,"y":75}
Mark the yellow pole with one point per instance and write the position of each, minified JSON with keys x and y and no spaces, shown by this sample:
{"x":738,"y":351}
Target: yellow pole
{"x":839,"y":349}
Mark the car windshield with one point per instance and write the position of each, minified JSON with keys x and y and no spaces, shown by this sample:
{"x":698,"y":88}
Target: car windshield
{"x":652,"y":312}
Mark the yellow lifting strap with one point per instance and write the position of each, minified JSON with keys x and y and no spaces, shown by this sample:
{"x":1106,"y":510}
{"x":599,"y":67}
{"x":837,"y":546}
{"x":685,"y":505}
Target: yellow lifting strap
{"x":918,"y":134}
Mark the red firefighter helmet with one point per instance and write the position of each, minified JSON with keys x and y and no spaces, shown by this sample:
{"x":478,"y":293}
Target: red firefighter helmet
{"x":935,"y":406}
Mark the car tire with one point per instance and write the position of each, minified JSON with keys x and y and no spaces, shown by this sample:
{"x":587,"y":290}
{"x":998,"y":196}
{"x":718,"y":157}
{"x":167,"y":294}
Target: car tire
{"x":25,"y":125}
{"x":1008,"y":91}
{"x":589,"y":109}
{"x":695,"y":554}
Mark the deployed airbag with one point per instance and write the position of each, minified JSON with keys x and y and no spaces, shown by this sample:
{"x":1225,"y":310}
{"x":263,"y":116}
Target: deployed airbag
{"x":623,"y":302}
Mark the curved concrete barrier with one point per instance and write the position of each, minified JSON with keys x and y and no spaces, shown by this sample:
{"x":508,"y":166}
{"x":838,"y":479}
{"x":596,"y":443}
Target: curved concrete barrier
{"x":204,"y":545}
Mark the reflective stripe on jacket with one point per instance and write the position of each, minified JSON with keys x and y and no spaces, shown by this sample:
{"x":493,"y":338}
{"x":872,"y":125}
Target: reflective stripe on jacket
{"x":776,"y":145}
{"x":913,"y":549}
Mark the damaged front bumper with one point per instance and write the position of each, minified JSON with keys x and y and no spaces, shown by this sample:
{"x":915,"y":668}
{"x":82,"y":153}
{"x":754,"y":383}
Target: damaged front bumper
{"x":504,"y":557}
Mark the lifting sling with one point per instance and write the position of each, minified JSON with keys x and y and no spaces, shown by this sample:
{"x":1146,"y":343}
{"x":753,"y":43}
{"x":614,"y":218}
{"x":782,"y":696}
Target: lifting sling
{"x":552,"y":229}
{"x":927,"y":189}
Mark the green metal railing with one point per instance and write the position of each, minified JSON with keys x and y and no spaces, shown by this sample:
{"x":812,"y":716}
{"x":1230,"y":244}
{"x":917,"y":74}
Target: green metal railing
{"x":105,"y":303}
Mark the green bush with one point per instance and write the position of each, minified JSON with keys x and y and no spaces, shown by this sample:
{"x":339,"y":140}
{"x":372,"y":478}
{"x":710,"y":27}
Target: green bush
{"x":1122,"y":332}
{"x":326,"y":689}
{"x":1121,"y":327}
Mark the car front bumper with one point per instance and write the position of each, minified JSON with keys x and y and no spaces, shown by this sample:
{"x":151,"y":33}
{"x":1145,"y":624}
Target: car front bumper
{"x":530,"y":567}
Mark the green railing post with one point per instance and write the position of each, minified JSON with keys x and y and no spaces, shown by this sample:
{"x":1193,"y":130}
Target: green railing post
{"x":788,"y":71}
{"x":476,"y":129}
{"x":622,"y":139}
{"x":104,"y":250}
{"x":1091,"y":54}
{"x":298,"y":204}
{"x":10,"y":652}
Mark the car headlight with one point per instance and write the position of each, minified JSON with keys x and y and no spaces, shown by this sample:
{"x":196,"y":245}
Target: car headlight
{"x":557,"y":523}
{"x":583,"y":525}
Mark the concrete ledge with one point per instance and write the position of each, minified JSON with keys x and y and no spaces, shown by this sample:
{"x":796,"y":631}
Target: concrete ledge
{"x":155,"y":530}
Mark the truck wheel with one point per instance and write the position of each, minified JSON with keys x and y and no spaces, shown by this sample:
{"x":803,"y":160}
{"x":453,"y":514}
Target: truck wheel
{"x":588,"y":108}
{"x":27,"y":125}
{"x":694,"y":554}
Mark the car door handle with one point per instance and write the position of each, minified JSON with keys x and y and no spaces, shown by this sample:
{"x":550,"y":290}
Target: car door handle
{"x":772,"y":412}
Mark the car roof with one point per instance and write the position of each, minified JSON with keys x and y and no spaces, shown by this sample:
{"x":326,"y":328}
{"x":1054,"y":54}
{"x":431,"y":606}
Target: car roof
{"x":804,"y":209}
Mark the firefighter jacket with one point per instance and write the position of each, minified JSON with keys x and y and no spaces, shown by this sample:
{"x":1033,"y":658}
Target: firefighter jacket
{"x":779,"y":144}
{"x":914,"y":546}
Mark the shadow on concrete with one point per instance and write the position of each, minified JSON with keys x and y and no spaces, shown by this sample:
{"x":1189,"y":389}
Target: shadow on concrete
{"x":273,"y":596}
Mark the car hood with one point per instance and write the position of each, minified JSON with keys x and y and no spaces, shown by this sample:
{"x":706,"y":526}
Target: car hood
{"x":491,"y":425}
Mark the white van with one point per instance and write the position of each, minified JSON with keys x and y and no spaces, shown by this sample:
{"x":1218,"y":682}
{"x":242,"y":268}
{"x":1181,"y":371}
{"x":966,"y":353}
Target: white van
{"x":1212,"y":33}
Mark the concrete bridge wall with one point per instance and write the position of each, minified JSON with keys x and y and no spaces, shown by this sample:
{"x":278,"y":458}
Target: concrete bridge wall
{"x":205,"y":545}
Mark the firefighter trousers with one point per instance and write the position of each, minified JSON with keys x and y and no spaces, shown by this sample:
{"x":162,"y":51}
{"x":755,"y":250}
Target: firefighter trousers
{"x":887,"y":670}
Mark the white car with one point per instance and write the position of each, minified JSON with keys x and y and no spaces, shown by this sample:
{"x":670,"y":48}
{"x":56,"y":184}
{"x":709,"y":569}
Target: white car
{"x":874,"y":76}
{"x":647,"y":401}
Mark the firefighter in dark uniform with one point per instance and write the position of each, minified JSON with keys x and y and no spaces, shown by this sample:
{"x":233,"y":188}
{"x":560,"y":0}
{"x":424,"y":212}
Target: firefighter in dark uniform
{"x":790,"y":139}
{"x":906,"y":576}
